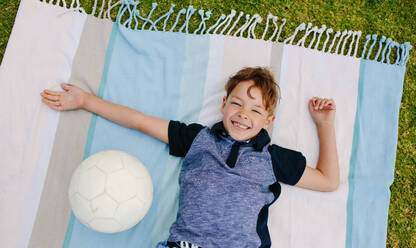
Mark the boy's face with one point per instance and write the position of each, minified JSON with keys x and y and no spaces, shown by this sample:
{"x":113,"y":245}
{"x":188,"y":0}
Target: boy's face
{"x":244,"y":117}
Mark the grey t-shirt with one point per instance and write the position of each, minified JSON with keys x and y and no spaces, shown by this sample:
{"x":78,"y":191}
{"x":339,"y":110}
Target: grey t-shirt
{"x":226,"y":186}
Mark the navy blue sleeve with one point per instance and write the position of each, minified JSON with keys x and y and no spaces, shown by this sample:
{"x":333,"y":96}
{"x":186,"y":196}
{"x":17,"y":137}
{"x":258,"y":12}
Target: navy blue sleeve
{"x":288,"y":165}
{"x":181,"y":137}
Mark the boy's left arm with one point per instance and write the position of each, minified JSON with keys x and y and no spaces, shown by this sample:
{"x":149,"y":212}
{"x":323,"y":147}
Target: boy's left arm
{"x":326,"y":175}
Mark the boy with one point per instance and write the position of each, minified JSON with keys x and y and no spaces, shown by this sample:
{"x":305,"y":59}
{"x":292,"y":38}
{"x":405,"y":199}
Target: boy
{"x":230,"y":173}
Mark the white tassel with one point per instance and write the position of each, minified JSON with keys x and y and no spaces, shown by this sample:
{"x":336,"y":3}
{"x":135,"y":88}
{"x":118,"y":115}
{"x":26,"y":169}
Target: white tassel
{"x":402,"y":54}
{"x":101,"y":10}
{"x":388,"y":53}
{"x":383,"y":38}
{"x":247,"y":27}
{"x":257,"y":19}
{"x":269,"y":16}
{"x":235,"y":23}
{"x":228,"y":20}
{"x":301,"y":27}
{"x":94,"y":8}
{"x":356,"y":43}
{"x":222,"y":17}
{"x":328,"y":32}
{"x":407,"y":46}
{"x":320,"y":31}
{"x":339,"y":42}
{"x":108,"y":8}
{"x":314,"y":30}
{"x":51,"y":2}
{"x":345,"y":41}
{"x":307,"y":31}
{"x":201,"y":14}
{"x":280,"y":28}
{"x":304,"y":36}
{"x":397,"y":45}
{"x":351,"y":43}
{"x":220,"y":24}
{"x":148,"y":20}
{"x":367,"y":37}
{"x":223,"y":22}
{"x":189,"y":14}
{"x":182,"y":11}
{"x":244,"y":25}
{"x":108,"y":12}
{"x":129,"y":20}
{"x":374,"y":37}
{"x":337,"y":34}
{"x":383,"y":53}
{"x":276,"y":28}
{"x":78,"y":9}
{"x":203,"y":19}
{"x":165,"y":16}
{"x":136,"y":13}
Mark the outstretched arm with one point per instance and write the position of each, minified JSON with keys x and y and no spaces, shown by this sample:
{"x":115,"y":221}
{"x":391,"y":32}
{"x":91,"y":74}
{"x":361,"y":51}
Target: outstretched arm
{"x":75,"y":98}
{"x":326,"y":175}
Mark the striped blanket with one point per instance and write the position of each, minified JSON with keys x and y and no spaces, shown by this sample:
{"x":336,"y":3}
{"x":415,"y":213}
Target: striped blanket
{"x":180,"y":75}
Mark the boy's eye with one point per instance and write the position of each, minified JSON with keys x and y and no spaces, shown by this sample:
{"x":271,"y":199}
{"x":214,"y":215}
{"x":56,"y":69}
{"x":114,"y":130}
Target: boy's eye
{"x":256,"y":111}
{"x":236,"y":103}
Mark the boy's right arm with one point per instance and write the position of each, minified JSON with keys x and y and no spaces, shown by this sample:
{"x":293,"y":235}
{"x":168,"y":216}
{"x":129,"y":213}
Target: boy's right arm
{"x":75,"y":98}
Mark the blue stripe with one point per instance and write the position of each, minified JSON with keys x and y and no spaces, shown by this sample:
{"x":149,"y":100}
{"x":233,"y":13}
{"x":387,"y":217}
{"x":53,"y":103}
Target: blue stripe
{"x":373,"y":153}
{"x":144,"y":73}
{"x":190,"y":104}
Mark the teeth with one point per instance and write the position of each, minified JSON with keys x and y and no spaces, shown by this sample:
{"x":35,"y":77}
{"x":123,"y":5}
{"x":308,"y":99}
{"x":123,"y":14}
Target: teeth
{"x":240,"y":125}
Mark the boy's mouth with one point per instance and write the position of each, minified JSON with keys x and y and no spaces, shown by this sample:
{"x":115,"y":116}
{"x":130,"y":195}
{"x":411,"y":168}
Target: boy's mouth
{"x":239,"y":125}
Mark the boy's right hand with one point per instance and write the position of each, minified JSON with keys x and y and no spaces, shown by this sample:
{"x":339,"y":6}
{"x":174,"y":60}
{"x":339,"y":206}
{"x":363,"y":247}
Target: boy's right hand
{"x":70,"y":99}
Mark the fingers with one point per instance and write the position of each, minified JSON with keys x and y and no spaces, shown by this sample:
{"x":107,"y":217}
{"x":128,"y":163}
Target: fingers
{"x":49,"y":102}
{"x":322,"y":103}
{"x":66,"y":87}
{"x":51,"y":92}
{"x":330,"y":104}
{"x":50,"y":95}
{"x":51,"y":98}
{"x":53,"y":104}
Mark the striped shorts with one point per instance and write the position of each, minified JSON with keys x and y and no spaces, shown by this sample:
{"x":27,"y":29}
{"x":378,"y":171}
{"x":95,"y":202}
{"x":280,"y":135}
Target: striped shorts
{"x":178,"y":244}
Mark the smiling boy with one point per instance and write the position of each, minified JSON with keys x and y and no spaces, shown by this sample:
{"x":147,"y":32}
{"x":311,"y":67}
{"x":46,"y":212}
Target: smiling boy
{"x":230,"y":173}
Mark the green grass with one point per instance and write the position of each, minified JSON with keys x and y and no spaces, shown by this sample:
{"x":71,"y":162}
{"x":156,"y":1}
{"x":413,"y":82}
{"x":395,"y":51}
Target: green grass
{"x":395,"y":19}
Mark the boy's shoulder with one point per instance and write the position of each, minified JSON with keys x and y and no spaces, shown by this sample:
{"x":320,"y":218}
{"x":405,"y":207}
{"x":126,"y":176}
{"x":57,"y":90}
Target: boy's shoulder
{"x":288,"y":164}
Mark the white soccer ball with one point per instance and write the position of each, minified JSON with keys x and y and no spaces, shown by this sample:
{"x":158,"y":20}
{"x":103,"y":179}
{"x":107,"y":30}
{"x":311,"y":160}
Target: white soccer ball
{"x":110,"y":191}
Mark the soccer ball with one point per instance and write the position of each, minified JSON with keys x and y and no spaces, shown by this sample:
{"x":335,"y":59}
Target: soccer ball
{"x":110,"y":191}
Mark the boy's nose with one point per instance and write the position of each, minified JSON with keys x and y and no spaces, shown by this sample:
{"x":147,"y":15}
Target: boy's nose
{"x":242,"y":115}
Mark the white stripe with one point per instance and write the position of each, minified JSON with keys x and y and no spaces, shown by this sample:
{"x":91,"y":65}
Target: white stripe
{"x":210,"y":113}
{"x":28,"y":133}
{"x":228,"y":54}
{"x":299,"y":215}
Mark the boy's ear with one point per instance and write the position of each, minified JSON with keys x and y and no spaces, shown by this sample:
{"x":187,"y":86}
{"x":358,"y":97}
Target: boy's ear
{"x":224,"y":101}
{"x":269,"y":121}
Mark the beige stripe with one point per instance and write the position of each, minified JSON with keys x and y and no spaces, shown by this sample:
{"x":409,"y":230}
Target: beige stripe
{"x":71,"y":137}
{"x":275,"y":68}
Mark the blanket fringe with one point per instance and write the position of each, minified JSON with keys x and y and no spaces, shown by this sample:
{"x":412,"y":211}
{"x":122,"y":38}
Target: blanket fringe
{"x":226,"y":24}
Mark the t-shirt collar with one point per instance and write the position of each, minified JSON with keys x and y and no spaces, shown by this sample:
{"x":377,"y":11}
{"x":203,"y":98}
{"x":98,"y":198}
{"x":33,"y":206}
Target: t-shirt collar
{"x":258,"y":142}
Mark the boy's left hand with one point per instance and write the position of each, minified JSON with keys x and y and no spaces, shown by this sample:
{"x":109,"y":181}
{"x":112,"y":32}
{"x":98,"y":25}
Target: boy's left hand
{"x":322,"y":110}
